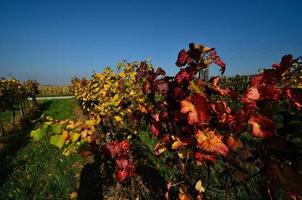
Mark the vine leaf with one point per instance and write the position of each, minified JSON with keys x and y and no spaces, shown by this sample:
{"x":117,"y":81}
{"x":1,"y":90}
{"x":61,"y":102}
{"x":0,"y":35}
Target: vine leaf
{"x":197,"y":109}
{"x":57,"y":140}
{"x":261,"y":126}
{"x":199,"y":187}
{"x":210,"y":141}
{"x":37,"y":134}
{"x":56,"y":129}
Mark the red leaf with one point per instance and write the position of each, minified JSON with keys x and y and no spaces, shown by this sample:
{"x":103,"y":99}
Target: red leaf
{"x":256,"y":80}
{"x":295,"y":96}
{"x":160,"y":71}
{"x":252,"y":94}
{"x":121,"y":175}
{"x":155,"y":116}
{"x":220,"y":107}
{"x":118,"y":148}
{"x":261,"y":126}
{"x":221,"y":91}
{"x":216,"y":59}
{"x":200,"y":158}
{"x":154,"y":128}
{"x":286,"y":63}
{"x":270,"y":92}
{"x":267,"y":91}
{"x":179,"y":93}
{"x":183,"y":58}
{"x":122,"y":163}
{"x":215,"y":81}
{"x":196,"y":108}
{"x":276,"y":65}
{"x":124,"y":145}
{"x":161,"y":86}
{"x":186,"y":74}
{"x":146,"y":86}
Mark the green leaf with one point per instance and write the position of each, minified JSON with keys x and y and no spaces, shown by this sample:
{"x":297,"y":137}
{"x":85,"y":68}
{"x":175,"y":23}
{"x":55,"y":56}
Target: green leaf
{"x":45,"y":127}
{"x":37,"y":134}
{"x":57,"y":140}
{"x":56,"y":129}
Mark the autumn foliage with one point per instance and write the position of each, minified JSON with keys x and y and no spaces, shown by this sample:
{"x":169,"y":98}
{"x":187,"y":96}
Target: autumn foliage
{"x":235,"y":134}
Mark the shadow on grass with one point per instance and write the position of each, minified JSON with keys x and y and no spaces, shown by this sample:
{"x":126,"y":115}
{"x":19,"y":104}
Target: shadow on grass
{"x":97,"y":182}
{"x":16,"y":140}
{"x":45,"y":105}
{"x":91,"y":181}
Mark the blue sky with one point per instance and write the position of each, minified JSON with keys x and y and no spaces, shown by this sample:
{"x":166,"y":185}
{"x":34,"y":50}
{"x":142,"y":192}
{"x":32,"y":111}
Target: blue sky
{"x":51,"y":41}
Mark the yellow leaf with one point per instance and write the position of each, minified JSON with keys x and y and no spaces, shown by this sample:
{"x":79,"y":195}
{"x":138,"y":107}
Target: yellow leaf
{"x":65,"y":135}
{"x":123,"y":75}
{"x":159,"y":148}
{"x":132,"y":93}
{"x":199,"y":187}
{"x":96,"y":89}
{"x":66,"y":152}
{"x":89,"y":123}
{"x":184,"y":153}
{"x":177,"y":144}
{"x":75,"y":137}
{"x":48,"y":123}
{"x":183,"y":189}
{"x":117,"y":118}
{"x":73,"y":195}
{"x":84,"y":133}
{"x":116,"y":97}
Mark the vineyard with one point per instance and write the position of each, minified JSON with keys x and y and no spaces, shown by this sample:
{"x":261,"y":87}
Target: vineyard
{"x":149,"y":135}
{"x":14,"y":97}
{"x":53,"y":90}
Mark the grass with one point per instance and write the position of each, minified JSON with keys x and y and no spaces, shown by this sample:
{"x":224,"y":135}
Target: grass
{"x":38,"y":170}
{"x":60,"y":108}
{"x":6,"y":116}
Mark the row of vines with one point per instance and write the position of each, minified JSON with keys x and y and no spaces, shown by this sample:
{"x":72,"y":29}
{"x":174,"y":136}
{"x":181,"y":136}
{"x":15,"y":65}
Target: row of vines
{"x":14,"y":96}
{"x":180,"y":137}
{"x":54,"y":90}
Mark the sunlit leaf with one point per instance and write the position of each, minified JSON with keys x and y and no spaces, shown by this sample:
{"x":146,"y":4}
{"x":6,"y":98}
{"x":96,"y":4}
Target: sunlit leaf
{"x":57,"y":140}
{"x":37,"y":134}
{"x":199,"y":187}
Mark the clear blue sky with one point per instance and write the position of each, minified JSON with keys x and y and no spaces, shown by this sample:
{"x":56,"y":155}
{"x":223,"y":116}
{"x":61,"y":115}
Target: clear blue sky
{"x":51,"y":41}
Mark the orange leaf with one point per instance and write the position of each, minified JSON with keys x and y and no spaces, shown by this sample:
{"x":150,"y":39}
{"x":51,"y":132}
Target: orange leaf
{"x":210,"y":141}
{"x":197,"y":109}
{"x":182,"y":196}
{"x":232,"y":143}
{"x":252,"y":94}
{"x":221,"y":107}
{"x":261,"y":126}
